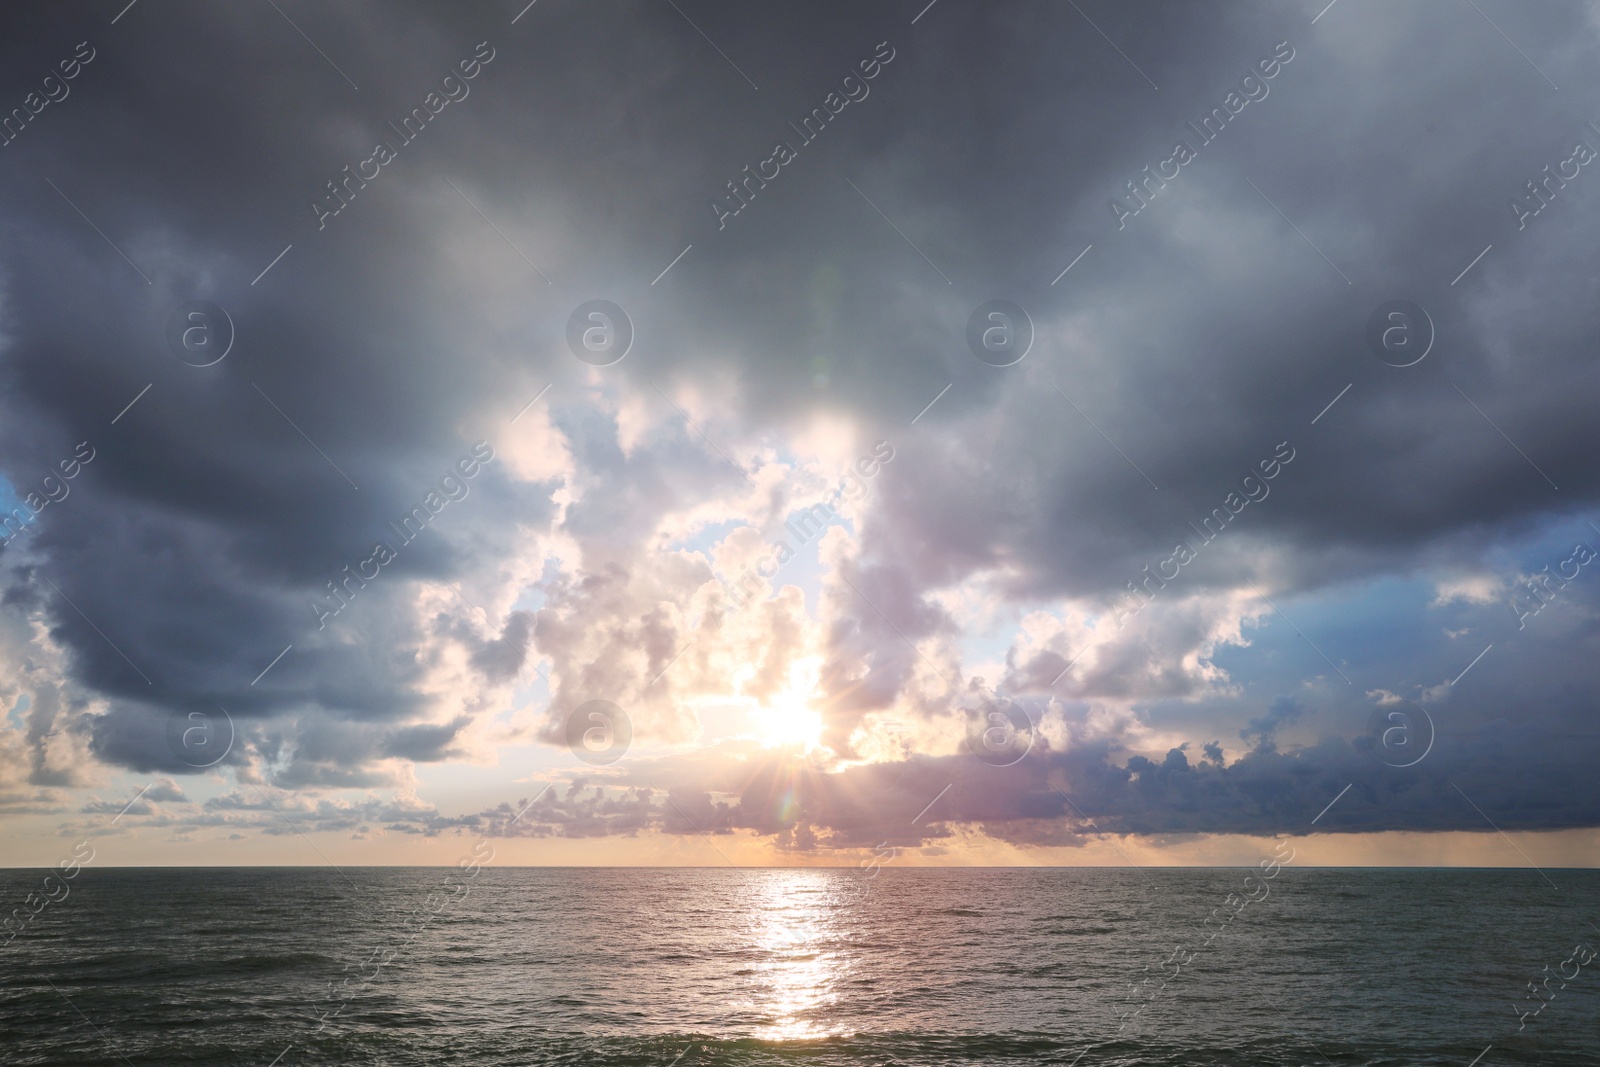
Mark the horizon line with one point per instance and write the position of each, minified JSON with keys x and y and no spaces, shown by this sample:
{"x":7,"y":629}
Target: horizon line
{"x":805,"y":867}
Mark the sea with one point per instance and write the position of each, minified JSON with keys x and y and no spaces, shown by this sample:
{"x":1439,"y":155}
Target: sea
{"x":686,"y":967}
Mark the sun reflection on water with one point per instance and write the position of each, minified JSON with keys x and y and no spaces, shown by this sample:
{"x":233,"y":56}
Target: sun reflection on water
{"x":799,"y":973}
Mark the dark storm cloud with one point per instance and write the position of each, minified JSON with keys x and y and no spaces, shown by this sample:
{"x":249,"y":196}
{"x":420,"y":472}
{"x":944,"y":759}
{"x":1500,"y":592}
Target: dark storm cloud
{"x":213,"y":523}
{"x":1197,"y":336}
{"x":1266,"y":339}
{"x":1264,"y":730}
{"x":1064,"y":798}
{"x":1056,"y":798}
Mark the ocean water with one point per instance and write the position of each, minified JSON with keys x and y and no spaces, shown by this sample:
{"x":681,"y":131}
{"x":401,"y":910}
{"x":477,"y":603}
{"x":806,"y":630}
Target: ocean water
{"x":525,"y":966}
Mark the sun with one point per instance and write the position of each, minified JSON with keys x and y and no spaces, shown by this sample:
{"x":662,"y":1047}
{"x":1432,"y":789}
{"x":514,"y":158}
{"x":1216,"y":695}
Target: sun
{"x":788,"y":722}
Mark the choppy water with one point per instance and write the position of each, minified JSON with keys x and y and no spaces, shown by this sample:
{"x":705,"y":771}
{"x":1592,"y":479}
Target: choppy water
{"x":773,"y":966}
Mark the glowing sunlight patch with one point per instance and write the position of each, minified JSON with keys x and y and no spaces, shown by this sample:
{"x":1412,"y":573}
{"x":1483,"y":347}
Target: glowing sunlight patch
{"x":788,"y":723}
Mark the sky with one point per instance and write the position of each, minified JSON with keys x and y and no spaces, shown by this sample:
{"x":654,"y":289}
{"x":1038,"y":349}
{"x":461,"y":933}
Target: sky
{"x":681,"y":433}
